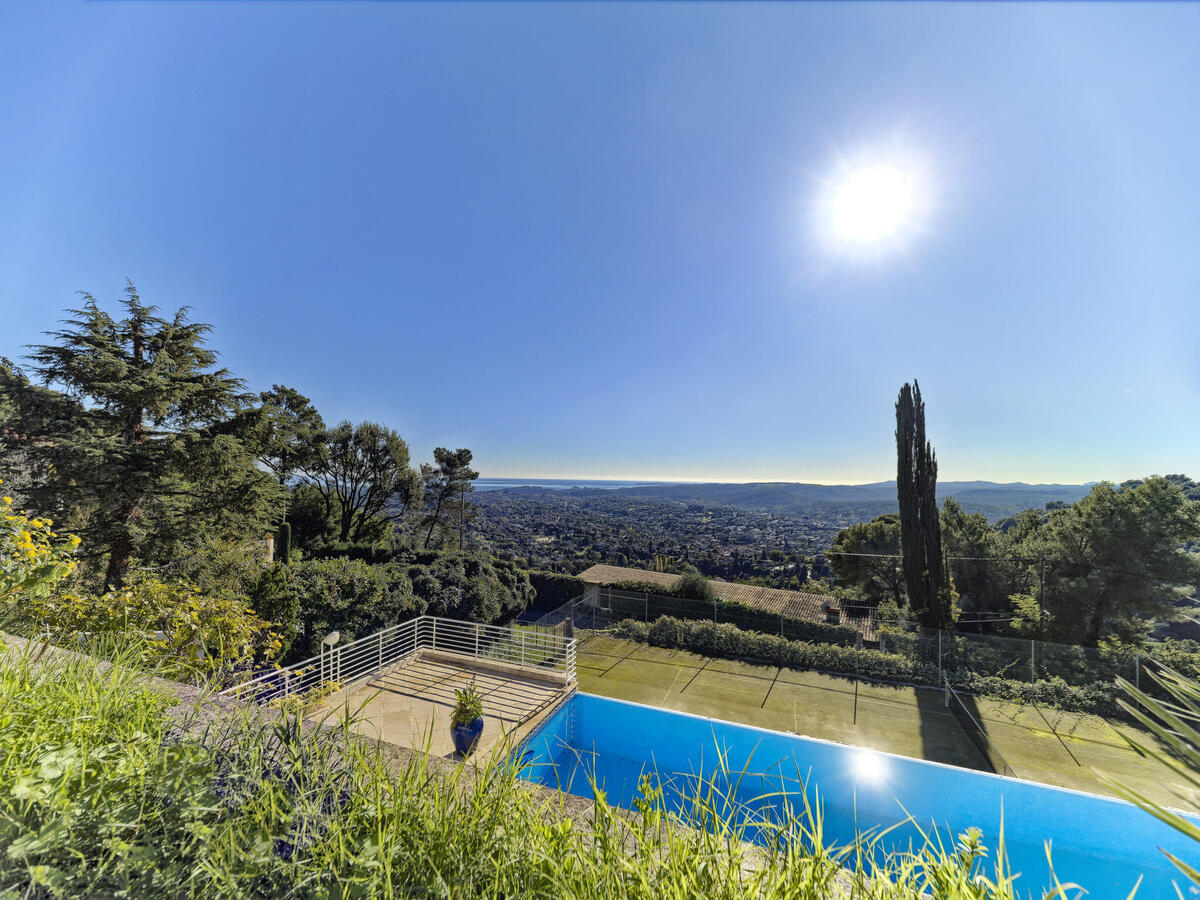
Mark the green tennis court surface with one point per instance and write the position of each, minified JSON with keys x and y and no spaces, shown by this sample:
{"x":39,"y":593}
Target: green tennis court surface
{"x":1041,"y":744}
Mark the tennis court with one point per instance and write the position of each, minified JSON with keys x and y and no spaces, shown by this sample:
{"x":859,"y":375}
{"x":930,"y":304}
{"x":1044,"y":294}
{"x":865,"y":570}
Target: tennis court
{"x":1045,"y":745}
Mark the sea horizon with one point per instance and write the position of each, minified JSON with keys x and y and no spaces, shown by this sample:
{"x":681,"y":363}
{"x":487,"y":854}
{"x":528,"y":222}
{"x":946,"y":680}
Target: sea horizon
{"x":563,"y":484}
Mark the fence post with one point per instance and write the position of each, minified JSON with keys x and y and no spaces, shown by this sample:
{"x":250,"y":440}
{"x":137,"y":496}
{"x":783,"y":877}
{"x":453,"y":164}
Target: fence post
{"x":434,"y":640}
{"x":522,"y":648}
{"x":477,"y":639}
{"x":381,"y":651}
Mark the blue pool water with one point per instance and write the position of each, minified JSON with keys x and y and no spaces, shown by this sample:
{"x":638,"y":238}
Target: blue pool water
{"x":1099,"y":843}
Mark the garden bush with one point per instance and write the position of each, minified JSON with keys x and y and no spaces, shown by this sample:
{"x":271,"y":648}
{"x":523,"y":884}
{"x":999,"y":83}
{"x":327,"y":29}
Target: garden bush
{"x":33,"y":558}
{"x":468,"y":585}
{"x":203,"y":636}
{"x":357,"y":598}
{"x":351,"y":597}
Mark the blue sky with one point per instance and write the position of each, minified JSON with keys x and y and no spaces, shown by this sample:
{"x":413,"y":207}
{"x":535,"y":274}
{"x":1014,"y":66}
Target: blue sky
{"x":588,"y":239}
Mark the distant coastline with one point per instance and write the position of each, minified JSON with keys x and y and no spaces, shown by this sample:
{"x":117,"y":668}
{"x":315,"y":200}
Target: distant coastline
{"x":560,"y":484}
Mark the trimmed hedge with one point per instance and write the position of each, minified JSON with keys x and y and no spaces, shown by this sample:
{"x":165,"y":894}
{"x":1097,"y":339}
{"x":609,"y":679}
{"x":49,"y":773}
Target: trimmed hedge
{"x":1099,"y":698}
{"x":730,"y":642}
{"x":673,"y":605}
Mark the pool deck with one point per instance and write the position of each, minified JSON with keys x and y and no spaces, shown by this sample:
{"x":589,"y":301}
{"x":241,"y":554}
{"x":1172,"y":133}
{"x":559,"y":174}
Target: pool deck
{"x":409,"y":705}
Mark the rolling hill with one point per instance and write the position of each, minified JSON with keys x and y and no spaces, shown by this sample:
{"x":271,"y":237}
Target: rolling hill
{"x":993,"y":499}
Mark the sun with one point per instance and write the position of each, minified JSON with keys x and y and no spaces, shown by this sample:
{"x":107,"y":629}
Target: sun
{"x":872,"y":204}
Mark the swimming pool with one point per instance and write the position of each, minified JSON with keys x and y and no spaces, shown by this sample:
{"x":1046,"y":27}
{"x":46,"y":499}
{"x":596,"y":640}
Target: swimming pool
{"x":1099,"y":843}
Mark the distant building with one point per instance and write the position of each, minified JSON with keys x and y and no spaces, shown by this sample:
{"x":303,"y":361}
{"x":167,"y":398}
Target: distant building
{"x":789,"y":604}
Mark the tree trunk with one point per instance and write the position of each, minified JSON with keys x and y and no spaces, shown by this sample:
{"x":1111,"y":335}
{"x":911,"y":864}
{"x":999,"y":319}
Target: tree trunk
{"x":437,"y":511}
{"x":120,"y":552}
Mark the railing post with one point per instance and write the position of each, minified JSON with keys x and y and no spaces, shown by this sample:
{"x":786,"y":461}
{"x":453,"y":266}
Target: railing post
{"x":477,"y":640}
{"x":522,"y":648}
{"x":434,"y":642}
{"x":381,"y":651}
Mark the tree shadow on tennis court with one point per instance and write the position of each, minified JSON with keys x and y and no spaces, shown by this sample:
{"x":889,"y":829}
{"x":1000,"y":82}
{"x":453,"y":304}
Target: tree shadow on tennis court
{"x":943,"y":737}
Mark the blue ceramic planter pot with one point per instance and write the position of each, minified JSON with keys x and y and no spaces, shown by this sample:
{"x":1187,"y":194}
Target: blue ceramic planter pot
{"x":466,"y":736}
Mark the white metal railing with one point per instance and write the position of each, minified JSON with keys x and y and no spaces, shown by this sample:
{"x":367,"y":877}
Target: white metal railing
{"x":339,"y":666}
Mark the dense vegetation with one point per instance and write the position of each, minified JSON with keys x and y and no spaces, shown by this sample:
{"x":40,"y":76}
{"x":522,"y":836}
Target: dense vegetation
{"x":1109,"y":567}
{"x":178,"y":480}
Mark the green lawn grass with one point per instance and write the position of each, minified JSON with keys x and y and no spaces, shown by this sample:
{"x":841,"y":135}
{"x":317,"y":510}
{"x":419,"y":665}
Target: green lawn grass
{"x":1040,"y":744}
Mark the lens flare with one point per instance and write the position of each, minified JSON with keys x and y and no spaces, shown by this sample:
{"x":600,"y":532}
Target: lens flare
{"x":870,"y":767}
{"x":872,"y":204}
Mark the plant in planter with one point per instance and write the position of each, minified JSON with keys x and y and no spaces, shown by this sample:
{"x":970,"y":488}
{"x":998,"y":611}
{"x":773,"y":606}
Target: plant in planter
{"x":466,"y":721}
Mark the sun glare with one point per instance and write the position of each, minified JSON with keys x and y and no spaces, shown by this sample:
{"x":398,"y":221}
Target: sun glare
{"x":872,"y":204}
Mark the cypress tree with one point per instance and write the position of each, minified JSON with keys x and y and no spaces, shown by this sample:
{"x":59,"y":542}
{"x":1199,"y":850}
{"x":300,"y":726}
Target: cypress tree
{"x":920,"y":525}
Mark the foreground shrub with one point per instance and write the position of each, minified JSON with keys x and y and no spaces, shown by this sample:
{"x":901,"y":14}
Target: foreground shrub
{"x":173,"y":626}
{"x":106,"y":791}
{"x":32,"y":557}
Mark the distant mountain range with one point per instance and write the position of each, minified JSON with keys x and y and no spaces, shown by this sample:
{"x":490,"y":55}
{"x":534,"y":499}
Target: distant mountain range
{"x":994,"y":500}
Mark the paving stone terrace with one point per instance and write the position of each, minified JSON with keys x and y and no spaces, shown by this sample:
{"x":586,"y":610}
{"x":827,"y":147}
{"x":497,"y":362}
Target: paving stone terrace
{"x":409,"y":704}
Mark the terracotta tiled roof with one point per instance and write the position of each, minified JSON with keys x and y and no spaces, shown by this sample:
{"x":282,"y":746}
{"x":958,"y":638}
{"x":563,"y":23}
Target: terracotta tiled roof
{"x":617,"y":574}
{"x":790,"y":604}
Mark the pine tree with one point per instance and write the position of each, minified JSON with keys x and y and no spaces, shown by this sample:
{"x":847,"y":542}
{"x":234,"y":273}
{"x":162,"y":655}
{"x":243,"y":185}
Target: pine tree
{"x":446,"y":487}
{"x":291,"y":431}
{"x":145,"y":445}
{"x":920,"y":526}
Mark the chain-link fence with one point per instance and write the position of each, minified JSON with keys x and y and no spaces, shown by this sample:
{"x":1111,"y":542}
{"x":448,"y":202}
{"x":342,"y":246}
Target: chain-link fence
{"x":609,"y":605}
{"x":1012,"y":658}
{"x":946,"y":655}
